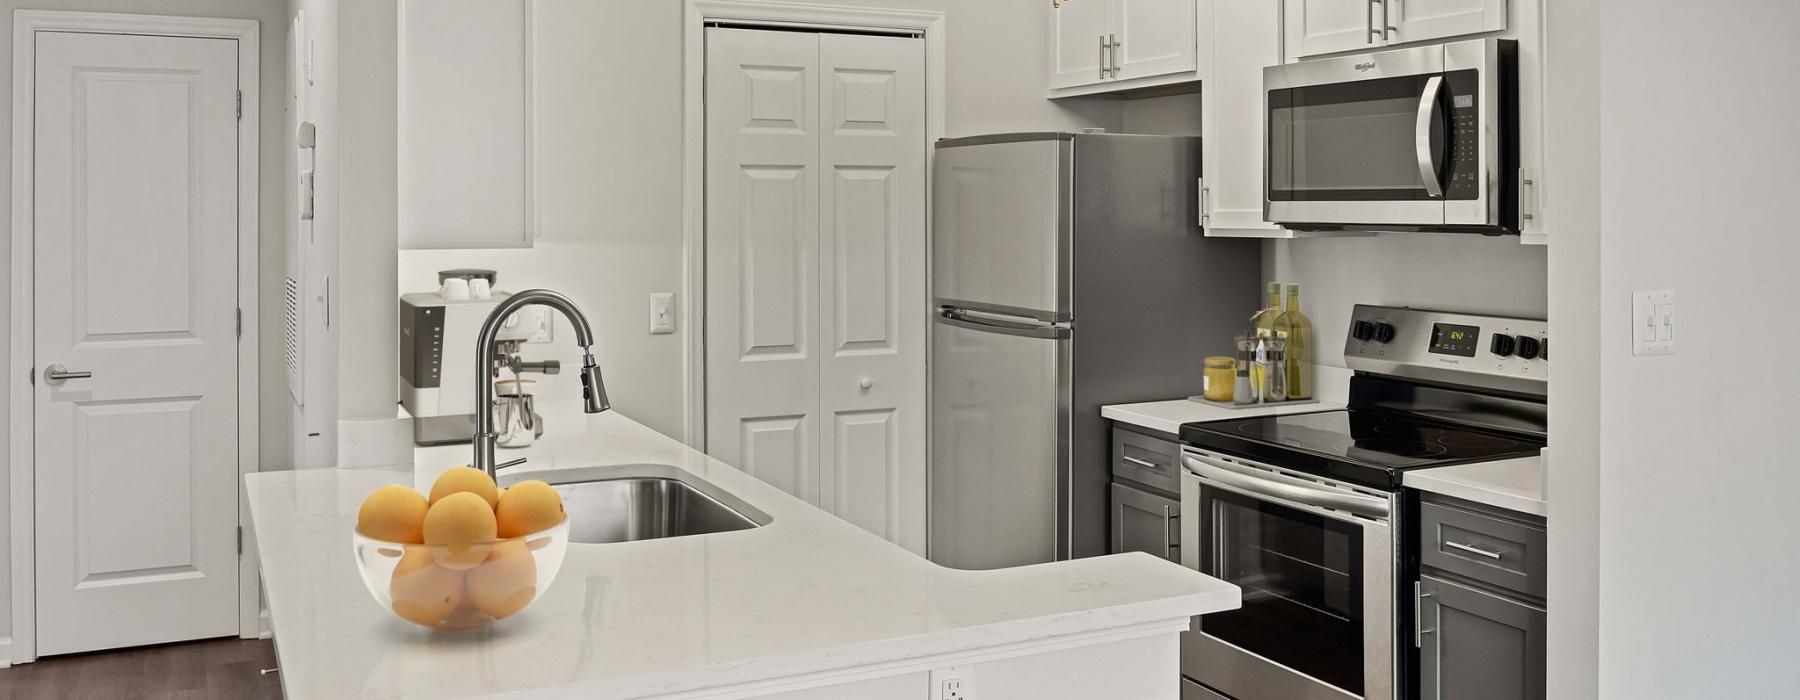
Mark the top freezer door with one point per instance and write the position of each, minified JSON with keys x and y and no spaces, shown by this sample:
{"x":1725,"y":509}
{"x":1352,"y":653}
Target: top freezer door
{"x":1000,"y":238}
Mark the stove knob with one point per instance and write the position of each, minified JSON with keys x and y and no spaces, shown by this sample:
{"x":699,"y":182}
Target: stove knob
{"x":1384,"y":333}
{"x":1362,"y":330}
{"x":1503,"y":345}
{"x":1529,"y":347}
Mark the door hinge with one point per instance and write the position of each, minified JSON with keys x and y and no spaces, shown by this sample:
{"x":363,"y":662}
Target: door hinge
{"x":240,"y":323}
{"x":240,"y":105}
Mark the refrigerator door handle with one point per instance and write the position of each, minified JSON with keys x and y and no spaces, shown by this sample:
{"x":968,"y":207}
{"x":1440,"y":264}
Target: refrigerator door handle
{"x":952,"y":316}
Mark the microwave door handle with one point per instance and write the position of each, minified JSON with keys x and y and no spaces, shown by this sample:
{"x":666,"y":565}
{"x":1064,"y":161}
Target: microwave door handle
{"x":1428,"y":168}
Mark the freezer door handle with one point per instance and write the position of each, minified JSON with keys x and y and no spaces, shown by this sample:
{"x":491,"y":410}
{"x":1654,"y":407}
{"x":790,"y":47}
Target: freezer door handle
{"x":952,"y":316}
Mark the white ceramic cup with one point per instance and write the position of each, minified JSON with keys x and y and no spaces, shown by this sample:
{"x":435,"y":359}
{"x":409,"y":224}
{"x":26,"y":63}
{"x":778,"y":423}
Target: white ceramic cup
{"x":456,"y":289}
{"x":480,"y":289}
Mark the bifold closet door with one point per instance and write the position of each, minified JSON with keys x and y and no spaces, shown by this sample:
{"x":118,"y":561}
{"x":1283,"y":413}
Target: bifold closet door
{"x":815,"y":269}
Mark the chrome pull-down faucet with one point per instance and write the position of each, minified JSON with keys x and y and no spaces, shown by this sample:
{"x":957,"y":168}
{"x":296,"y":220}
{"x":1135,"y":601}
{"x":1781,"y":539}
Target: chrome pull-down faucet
{"x":593,"y":389}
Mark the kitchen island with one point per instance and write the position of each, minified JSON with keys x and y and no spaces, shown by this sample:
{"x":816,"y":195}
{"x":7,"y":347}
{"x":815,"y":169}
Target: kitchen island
{"x":806,"y":606}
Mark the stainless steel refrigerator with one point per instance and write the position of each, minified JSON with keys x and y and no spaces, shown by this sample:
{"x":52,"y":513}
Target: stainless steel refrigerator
{"x":1068,"y":272}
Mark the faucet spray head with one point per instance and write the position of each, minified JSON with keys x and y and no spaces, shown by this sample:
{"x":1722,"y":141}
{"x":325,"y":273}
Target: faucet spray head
{"x":593,"y":388}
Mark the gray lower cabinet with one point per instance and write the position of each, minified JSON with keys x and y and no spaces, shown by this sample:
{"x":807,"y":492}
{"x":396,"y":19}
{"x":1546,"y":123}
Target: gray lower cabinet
{"x":1145,"y":522}
{"x":1476,"y":645}
{"x":1194,"y":691}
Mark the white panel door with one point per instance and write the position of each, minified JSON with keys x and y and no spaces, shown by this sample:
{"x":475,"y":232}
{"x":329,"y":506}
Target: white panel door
{"x":1156,"y":37}
{"x":1328,"y":26}
{"x":136,"y":282}
{"x":762,"y":250}
{"x":1078,"y":35}
{"x":815,"y":269}
{"x":1423,"y":20}
{"x":872,"y":283}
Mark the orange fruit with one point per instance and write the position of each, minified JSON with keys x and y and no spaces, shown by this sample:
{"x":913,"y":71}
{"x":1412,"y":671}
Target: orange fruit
{"x":423,"y":592}
{"x":459,"y":526}
{"x":506,"y":582}
{"x":393,"y":513}
{"x":528,"y":507}
{"x":465,"y":480}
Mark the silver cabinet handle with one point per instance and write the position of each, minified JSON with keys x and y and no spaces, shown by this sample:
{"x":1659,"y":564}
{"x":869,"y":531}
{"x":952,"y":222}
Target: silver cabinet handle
{"x":1472,"y":549}
{"x":1103,"y":49}
{"x":1112,"y":42}
{"x":1147,"y":464}
{"x":1419,"y":629}
{"x":1422,"y":137}
{"x":1168,"y":541}
{"x":1205,"y":202}
{"x":57,"y":374}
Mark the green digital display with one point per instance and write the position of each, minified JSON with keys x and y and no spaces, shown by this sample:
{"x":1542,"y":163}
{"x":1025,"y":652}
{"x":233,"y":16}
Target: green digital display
{"x":1453,"y":339}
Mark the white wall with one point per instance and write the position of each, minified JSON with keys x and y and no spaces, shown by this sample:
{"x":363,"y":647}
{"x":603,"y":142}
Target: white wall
{"x":609,"y":169}
{"x":1450,"y":272}
{"x":1698,"y":453}
{"x":273,"y":428}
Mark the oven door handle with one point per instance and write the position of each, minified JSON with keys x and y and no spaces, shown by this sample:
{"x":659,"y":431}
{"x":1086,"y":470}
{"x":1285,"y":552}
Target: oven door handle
{"x":1428,"y":168}
{"x":1317,"y":497}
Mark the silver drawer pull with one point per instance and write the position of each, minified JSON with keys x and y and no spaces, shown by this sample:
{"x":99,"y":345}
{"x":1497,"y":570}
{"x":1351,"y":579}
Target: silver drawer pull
{"x":1472,"y":549}
{"x":1147,"y":464}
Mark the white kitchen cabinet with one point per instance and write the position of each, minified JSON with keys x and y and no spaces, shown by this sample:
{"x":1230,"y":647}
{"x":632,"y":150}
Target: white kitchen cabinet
{"x":1319,"y":27}
{"x":1247,"y":38}
{"x":1079,"y":46}
{"x":1121,"y":46}
{"x":1425,"y":20}
{"x":464,"y":131}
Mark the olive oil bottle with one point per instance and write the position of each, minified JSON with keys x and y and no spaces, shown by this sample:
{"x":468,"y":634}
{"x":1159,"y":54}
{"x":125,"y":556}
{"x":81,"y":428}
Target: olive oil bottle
{"x":1296,"y":329}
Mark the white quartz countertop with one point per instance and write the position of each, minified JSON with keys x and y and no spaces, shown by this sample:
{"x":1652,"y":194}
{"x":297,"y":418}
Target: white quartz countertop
{"x":1167,"y":416}
{"x":807,"y":595}
{"x":1513,"y":484}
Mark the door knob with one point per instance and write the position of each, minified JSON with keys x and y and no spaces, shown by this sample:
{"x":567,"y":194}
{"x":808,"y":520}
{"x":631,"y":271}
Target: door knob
{"x":867,"y":382}
{"x":57,"y":374}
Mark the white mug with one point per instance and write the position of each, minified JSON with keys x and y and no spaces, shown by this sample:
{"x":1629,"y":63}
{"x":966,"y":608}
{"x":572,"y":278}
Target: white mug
{"x":479,"y":288}
{"x":456,"y":289}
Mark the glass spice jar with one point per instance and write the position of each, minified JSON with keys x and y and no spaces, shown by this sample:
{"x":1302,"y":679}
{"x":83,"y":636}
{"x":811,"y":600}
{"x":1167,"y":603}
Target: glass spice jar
{"x":1220,"y":376}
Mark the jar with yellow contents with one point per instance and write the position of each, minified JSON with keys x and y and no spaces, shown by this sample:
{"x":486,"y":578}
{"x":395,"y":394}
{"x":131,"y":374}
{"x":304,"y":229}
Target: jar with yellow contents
{"x":1220,"y":374}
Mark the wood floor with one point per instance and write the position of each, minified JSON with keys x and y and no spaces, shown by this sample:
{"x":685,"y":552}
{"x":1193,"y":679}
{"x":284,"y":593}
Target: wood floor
{"x":226,"y":669}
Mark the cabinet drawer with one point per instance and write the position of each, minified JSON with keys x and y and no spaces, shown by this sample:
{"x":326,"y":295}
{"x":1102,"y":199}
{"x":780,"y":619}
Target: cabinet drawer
{"x":1147,"y":460}
{"x":1492,"y":550}
{"x":1145,"y":522}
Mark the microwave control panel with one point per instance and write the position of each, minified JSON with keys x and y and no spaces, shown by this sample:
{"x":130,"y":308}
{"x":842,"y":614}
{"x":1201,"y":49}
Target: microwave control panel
{"x":1394,"y":340}
{"x":1463,"y":142}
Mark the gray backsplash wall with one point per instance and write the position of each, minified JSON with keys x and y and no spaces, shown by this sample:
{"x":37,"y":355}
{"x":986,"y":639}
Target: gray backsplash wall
{"x":1451,"y":272}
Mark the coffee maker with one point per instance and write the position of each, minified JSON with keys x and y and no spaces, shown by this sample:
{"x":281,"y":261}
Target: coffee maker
{"x":438,"y":332}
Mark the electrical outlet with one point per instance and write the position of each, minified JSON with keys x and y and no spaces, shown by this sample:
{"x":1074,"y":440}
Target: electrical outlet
{"x":953,"y":683}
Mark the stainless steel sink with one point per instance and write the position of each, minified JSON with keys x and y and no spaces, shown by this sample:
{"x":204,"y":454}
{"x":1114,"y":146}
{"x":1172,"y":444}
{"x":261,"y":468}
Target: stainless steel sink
{"x":643,"y":502}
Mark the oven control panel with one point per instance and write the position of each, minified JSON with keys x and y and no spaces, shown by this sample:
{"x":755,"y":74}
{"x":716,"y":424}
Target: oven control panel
{"x":1447,"y":346}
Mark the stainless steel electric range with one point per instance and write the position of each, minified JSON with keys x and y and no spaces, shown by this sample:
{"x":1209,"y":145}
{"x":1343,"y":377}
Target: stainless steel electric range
{"x":1306,"y":514}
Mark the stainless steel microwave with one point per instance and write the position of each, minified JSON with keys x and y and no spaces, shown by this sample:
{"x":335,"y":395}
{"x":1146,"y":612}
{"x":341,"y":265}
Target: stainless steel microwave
{"x":1418,"y":139}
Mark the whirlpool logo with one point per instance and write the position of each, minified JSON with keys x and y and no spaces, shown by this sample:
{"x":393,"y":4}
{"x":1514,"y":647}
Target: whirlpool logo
{"x":1365,"y":66}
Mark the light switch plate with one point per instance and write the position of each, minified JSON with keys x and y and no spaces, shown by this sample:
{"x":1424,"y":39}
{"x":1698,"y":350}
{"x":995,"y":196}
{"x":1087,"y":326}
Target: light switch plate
{"x":1653,"y":322}
{"x":662,"y":312}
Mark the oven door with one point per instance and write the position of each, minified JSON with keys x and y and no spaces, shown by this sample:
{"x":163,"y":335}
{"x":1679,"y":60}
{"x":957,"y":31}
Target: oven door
{"x":1315,"y":561}
{"x":1397,"y":138}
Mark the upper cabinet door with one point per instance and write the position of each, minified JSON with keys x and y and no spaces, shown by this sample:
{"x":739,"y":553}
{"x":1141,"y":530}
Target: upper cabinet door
{"x":1328,"y":26}
{"x":1423,"y":20}
{"x":1155,"y":37}
{"x":1079,"y":49}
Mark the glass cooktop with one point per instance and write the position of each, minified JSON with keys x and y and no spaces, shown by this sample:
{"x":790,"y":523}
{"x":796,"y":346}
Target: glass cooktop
{"x":1345,"y":442}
